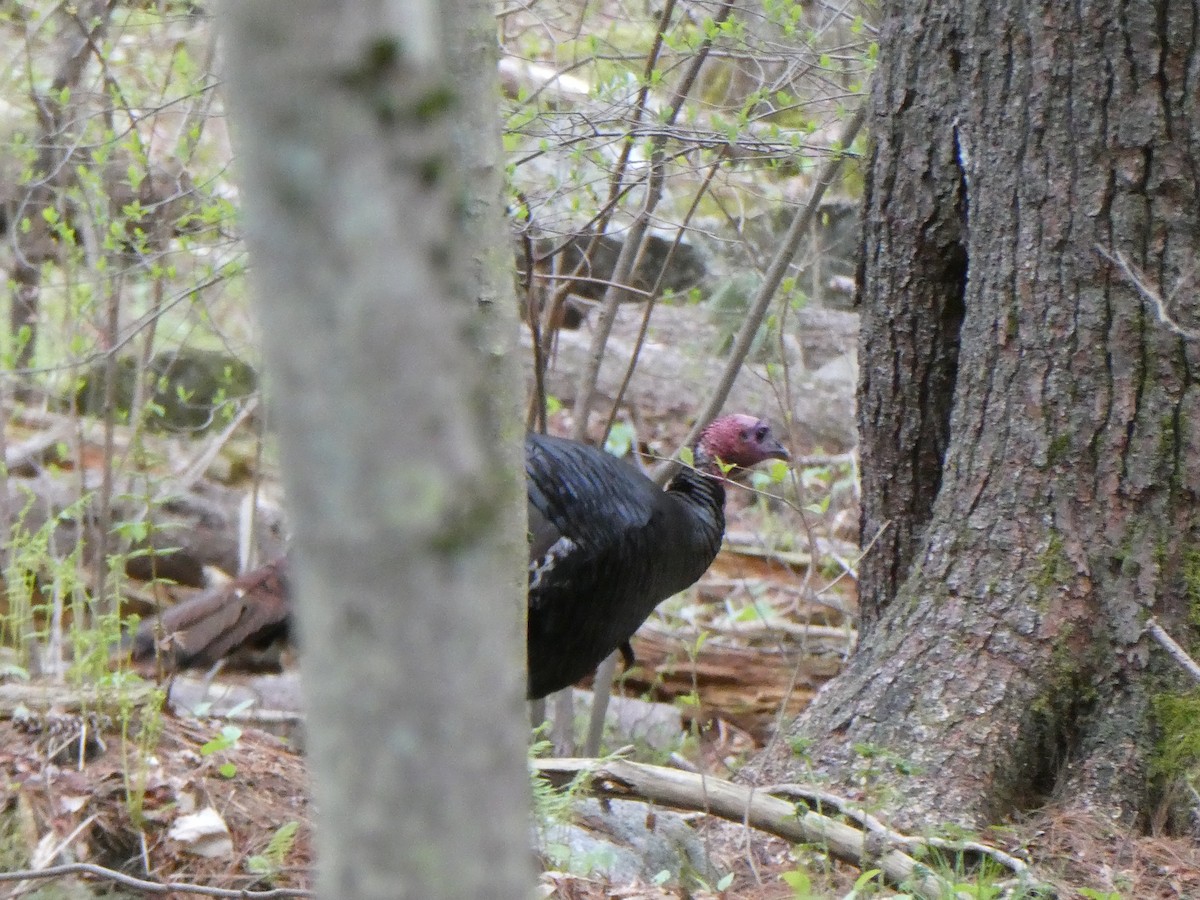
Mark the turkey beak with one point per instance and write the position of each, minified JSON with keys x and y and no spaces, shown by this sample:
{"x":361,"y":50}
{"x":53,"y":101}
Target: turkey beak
{"x":775,"y":450}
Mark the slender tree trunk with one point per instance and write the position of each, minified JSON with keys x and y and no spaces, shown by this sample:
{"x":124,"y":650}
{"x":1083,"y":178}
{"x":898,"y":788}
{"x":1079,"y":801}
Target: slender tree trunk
{"x":83,"y":28}
{"x":369,"y":153}
{"x":1030,"y":428}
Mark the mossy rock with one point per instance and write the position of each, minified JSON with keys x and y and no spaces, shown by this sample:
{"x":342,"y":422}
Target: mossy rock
{"x":189,"y":389}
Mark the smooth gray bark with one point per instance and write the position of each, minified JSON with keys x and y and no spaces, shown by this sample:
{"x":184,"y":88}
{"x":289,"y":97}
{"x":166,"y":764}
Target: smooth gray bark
{"x":370,"y":178}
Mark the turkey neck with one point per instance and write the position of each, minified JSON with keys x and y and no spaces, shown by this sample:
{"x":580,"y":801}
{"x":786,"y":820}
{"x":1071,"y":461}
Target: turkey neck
{"x":702,"y":489}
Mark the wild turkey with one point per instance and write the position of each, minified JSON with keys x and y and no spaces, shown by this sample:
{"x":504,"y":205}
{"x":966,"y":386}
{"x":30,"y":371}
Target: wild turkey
{"x":606,"y":546}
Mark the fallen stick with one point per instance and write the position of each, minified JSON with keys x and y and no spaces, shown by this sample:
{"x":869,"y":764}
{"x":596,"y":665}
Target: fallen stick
{"x":872,"y":845}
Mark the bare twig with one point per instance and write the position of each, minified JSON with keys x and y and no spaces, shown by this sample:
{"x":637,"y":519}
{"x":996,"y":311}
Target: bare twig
{"x":1176,"y":652}
{"x":104,"y":522}
{"x":791,"y":242}
{"x":819,"y":800}
{"x":187,"y":475}
{"x":656,"y":290}
{"x":148,"y":887}
{"x":1160,"y":304}
{"x":633,"y":246}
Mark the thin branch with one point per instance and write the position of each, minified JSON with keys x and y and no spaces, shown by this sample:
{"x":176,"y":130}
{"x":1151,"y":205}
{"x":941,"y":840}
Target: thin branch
{"x":656,"y":291}
{"x":131,"y":331}
{"x":149,"y":887}
{"x":189,"y":474}
{"x":1149,"y":293}
{"x":817,"y":800}
{"x":796,"y":232}
{"x":1176,"y":652}
{"x":633,"y":246}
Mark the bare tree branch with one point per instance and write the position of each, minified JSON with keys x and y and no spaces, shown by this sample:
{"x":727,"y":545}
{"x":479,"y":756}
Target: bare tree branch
{"x":633,"y":245}
{"x":1176,"y":652}
{"x":766,"y":293}
{"x":149,"y":887}
{"x":873,"y":844}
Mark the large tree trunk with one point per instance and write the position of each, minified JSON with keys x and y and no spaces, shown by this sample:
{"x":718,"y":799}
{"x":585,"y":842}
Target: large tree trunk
{"x":372,"y":207}
{"x":1030,"y":428}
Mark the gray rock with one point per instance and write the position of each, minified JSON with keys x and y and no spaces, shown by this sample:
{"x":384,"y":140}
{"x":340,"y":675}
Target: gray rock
{"x":629,"y":720}
{"x":622,"y":840}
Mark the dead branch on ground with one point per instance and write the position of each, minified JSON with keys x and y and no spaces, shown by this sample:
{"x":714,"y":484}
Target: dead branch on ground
{"x":150,"y":887}
{"x":795,"y":817}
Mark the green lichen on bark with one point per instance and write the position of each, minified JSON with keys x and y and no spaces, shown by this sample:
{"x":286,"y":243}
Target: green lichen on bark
{"x":1053,"y":571}
{"x":1067,"y":681}
{"x":1177,"y":753}
{"x":468,"y":520}
{"x":438,"y":101}
{"x":1168,"y":439}
{"x":1191,"y":581}
{"x":1057,"y":452}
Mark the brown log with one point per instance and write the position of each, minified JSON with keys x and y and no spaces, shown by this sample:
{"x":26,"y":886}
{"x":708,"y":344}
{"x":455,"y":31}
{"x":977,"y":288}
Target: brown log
{"x":746,"y":685}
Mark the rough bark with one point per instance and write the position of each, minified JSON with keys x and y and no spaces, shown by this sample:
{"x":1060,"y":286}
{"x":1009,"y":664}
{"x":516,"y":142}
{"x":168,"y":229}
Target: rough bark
{"x":372,"y":209}
{"x":1041,"y":487}
{"x":911,"y":284}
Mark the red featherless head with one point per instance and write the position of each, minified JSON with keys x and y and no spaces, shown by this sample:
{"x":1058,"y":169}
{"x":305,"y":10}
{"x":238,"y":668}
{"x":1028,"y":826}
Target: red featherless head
{"x":738,"y":440}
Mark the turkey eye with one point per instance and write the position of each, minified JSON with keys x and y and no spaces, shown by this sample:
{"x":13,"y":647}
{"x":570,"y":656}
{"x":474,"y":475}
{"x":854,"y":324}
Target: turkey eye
{"x":761,"y":434}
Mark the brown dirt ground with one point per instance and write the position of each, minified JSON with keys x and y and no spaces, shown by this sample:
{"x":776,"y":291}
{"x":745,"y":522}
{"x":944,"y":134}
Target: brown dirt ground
{"x":116,"y":808}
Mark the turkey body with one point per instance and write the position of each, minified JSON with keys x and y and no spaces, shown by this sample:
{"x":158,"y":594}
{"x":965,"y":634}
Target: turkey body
{"x":606,"y":546}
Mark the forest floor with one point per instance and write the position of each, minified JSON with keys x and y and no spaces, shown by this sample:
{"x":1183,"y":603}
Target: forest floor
{"x":177,"y":793}
{"x":204,"y":810}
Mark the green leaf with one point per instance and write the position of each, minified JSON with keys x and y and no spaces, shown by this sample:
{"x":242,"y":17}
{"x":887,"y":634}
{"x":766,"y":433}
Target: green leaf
{"x":620,"y":439}
{"x":865,"y":878}
{"x":227,"y":738}
{"x":747,"y":614}
{"x":799,"y":882}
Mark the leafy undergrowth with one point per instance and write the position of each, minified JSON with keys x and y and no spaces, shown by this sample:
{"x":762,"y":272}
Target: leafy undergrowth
{"x":770,"y":622}
{"x":201,"y":805}
{"x":123,"y":810}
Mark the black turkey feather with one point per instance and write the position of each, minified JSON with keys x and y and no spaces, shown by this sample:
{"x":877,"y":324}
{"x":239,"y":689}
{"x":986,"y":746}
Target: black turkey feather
{"x":606,"y":546}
